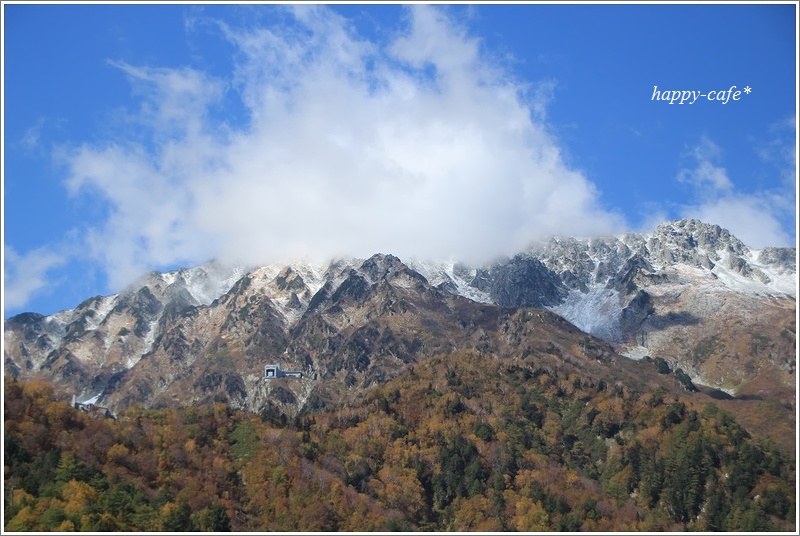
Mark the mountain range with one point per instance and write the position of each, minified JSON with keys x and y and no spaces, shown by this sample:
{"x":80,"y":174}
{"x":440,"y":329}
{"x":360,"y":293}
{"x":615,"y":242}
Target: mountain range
{"x":688,"y":305}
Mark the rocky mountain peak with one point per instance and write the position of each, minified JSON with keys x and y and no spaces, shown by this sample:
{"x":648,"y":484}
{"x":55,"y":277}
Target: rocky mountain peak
{"x":660,"y":294}
{"x":381,"y":266}
{"x":694,"y":242}
{"x":289,"y":279}
{"x":525,"y":281}
{"x":783,"y":259}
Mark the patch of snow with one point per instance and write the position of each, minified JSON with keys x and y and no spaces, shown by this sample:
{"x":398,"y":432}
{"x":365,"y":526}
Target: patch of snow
{"x":698,"y":379}
{"x":60,"y":320}
{"x":438,"y":272}
{"x":403,"y":282}
{"x":208,"y":282}
{"x":62,"y":317}
{"x":147,"y":346}
{"x":100,"y":312}
{"x":91,"y":400}
{"x":344,"y":266}
{"x":596,"y":312}
{"x":132,"y":359}
{"x":170,"y":277}
{"x":472,"y":293}
{"x":313,"y":275}
{"x":55,"y":327}
{"x":637,"y":353}
{"x":109,"y":339}
{"x":782,"y":281}
{"x":292,"y":316}
{"x":783,"y":284}
{"x":433,"y":271}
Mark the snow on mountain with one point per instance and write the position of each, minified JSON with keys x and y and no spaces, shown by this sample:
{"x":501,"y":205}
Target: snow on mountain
{"x":597,"y":312}
{"x":452,"y":276}
{"x":204,"y":283}
{"x":288,"y":287}
{"x":643,"y":292}
{"x":676,"y":293}
{"x":674,"y":247}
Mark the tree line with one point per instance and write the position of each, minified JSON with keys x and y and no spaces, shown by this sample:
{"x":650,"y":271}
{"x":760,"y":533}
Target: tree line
{"x":451,"y":445}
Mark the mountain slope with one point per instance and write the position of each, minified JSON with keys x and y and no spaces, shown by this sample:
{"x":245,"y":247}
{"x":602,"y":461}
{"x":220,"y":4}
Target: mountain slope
{"x":690,"y":295}
{"x":462,"y":441}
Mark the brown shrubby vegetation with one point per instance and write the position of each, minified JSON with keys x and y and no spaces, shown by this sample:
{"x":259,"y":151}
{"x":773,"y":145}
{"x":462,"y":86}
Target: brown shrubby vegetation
{"x":461,"y":442}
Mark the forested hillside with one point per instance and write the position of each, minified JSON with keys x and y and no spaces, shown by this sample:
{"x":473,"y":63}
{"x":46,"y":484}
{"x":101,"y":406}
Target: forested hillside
{"x":459,"y":442}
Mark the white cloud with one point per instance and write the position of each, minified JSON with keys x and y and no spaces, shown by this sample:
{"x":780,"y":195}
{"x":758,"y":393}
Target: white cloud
{"x":30,"y":139}
{"x":423,"y":147}
{"x":751,"y":219}
{"x":25,"y":275}
{"x":543,"y":94}
{"x":757,"y":218}
{"x":705,"y":175}
{"x":651,"y":215}
{"x":174,"y":101}
{"x":780,"y":150}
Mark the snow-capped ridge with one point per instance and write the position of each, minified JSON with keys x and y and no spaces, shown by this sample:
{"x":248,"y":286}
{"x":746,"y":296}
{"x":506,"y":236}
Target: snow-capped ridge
{"x":605,"y":285}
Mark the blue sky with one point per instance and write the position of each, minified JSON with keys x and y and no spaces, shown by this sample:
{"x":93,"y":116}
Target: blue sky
{"x":141,"y":137}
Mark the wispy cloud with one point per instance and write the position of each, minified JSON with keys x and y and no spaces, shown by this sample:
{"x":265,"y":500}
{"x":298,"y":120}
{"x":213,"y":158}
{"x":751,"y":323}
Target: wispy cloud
{"x":705,"y":175}
{"x":30,"y":139}
{"x":755,"y":218}
{"x":780,"y":150}
{"x":752,"y":219}
{"x":420,"y":146}
{"x":26,"y":275}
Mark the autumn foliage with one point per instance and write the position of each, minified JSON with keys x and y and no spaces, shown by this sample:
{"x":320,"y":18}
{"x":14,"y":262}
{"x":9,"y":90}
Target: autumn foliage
{"x":461,"y":442}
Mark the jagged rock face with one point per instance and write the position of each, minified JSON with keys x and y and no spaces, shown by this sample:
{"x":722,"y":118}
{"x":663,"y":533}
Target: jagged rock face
{"x":88,"y":349}
{"x":689,"y":282}
{"x":784,"y":259}
{"x":689,"y":293}
{"x":347,"y":326}
{"x":661,"y":294}
{"x":525,"y":282}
